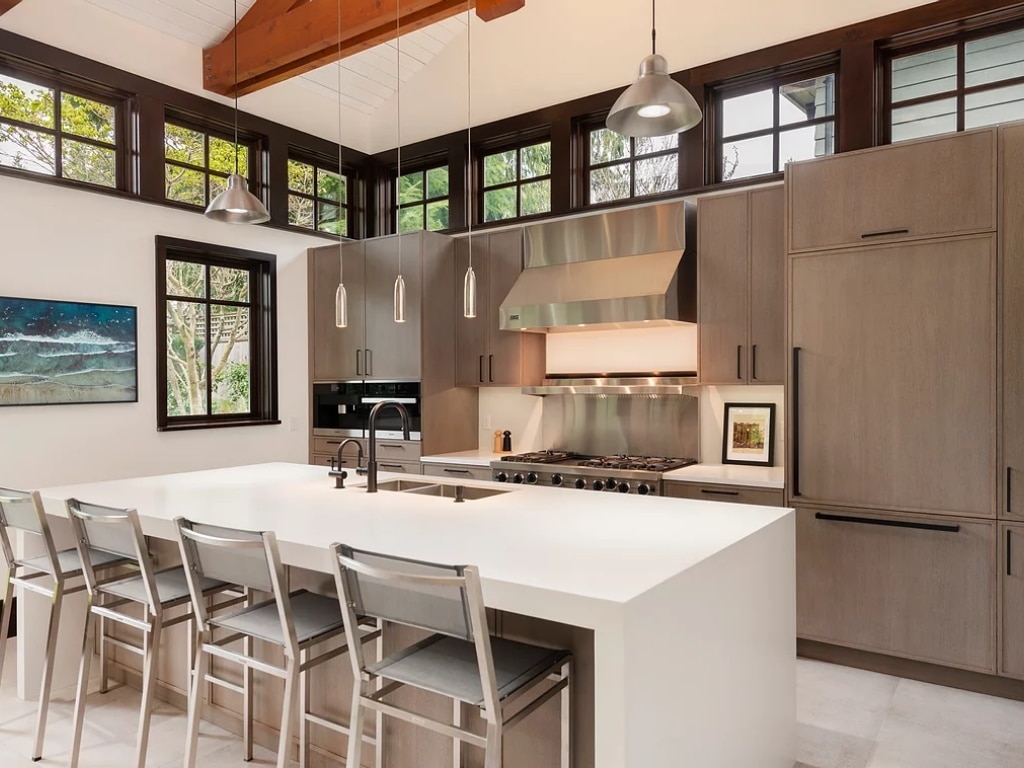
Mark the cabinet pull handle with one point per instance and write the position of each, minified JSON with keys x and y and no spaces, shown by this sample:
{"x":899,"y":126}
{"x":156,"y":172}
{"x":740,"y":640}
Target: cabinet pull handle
{"x":392,"y":445}
{"x":490,"y":368}
{"x":1009,"y":551}
{"x":889,"y":523}
{"x":753,"y":362}
{"x":886,"y":233}
{"x":458,"y":471}
{"x":719,"y":493}
{"x":739,"y":360}
{"x":794,"y":385}
{"x":480,"y":372}
{"x":359,"y":362}
{"x":369,"y":362}
{"x":1009,"y":496}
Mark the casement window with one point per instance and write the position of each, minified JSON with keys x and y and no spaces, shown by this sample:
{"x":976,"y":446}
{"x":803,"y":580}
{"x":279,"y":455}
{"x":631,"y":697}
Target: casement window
{"x":954,"y":85}
{"x":318,"y":196}
{"x":423,"y":199}
{"x":198,"y":161}
{"x":761,"y":125}
{"x":516,"y":182}
{"x":619,"y":168}
{"x":216,"y":336}
{"x":58,"y":130}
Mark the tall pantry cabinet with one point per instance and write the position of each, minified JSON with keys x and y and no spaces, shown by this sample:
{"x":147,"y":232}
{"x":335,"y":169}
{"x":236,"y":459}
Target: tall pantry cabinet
{"x":893,"y":373}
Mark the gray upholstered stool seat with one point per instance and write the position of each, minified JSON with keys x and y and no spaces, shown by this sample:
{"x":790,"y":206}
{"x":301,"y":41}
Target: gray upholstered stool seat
{"x":313,"y":615}
{"x":70,"y":562}
{"x":449,"y":666}
{"x":171,"y":586}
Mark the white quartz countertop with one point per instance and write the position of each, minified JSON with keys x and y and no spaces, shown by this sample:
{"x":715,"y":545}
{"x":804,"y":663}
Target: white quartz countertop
{"x":541,"y":551}
{"x":730,"y":474}
{"x":475,"y":458}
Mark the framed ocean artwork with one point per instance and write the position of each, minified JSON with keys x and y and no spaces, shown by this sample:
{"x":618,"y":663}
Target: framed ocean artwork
{"x":59,"y":352}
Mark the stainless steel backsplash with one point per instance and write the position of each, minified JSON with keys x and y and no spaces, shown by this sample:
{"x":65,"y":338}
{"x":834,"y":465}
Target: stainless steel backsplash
{"x":612,"y":424}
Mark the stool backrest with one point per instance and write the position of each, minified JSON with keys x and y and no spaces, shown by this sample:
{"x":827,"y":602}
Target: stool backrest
{"x":248,"y":559}
{"x":446,"y":599}
{"x":112,"y":531}
{"x":23,"y":511}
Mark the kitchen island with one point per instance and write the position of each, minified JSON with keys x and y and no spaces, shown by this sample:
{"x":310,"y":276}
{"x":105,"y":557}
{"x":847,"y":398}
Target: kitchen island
{"x":688,"y":606}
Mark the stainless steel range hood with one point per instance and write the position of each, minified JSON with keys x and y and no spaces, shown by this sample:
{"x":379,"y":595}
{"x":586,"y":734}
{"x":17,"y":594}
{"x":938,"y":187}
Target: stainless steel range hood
{"x":611,"y":270}
{"x":624,"y":385}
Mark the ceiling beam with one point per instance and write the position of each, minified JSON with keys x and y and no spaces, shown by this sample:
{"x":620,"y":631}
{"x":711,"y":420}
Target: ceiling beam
{"x":286,"y":38}
{"x":6,"y":5}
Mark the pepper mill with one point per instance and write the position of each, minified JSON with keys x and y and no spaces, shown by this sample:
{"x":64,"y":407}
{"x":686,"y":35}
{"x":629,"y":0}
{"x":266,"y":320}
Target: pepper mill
{"x":506,"y":443}
{"x":497,"y":441}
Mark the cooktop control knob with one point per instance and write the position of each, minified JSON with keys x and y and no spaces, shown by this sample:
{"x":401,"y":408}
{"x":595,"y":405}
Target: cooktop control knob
{"x":643,"y":489}
{"x":556,"y":479}
{"x":581,"y":483}
{"x":501,"y":477}
{"x":610,"y":484}
{"x":517,"y":477}
{"x":531,"y":477}
{"x":623,"y":487}
{"x":598,"y":485}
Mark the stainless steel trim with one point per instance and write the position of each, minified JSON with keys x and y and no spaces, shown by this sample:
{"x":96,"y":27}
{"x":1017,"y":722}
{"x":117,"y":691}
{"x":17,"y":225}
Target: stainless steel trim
{"x":375,"y":400}
{"x":650,"y":385}
{"x":324,"y":432}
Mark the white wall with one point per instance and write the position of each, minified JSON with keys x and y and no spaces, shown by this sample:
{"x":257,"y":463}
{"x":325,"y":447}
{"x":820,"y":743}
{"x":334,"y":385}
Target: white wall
{"x":58,"y":243}
{"x":507,"y":408}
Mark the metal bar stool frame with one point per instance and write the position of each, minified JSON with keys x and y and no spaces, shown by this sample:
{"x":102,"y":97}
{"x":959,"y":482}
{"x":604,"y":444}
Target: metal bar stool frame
{"x":36,"y":523}
{"x":92,"y":520}
{"x":298,"y":657}
{"x":371,"y":688}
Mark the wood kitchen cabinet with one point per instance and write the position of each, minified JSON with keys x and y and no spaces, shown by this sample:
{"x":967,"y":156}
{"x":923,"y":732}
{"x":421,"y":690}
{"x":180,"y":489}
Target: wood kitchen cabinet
{"x":393,"y":349}
{"x":337,"y":352}
{"x":1011,"y":600}
{"x":904,"y":585}
{"x":487,"y":356}
{"x":939,"y":186}
{"x":1011,"y":230}
{"x":893,"y":381}
{"x":729,"y":494}
{"x":741,"y":269}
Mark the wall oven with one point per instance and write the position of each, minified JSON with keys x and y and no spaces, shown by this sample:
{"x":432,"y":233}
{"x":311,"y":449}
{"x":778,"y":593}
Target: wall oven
{"x":342,"y":409}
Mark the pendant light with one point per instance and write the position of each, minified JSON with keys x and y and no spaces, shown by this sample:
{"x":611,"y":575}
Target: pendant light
{"x":655,"y":105}
{"x":236,"y":204}
{"x":340,"y":295}
{"x":469,"y":282}
{"x":399,"y":282}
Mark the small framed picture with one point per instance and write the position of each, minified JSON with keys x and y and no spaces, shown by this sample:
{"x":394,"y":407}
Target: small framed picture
{"x":749,"y":434}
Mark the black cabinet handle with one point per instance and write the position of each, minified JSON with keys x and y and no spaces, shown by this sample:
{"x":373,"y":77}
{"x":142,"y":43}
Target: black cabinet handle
{"x":458,"y":471}
{"x":369,"y":362}
{"x":490,"y":368}
{"x":359,"y":362}
{"x":392,"y":445}
{"x":391,"y":466}
{"x":1009,"y":496}
{"x":1009,"y":551}
{"x":480,"y":374}
{"x":739,"y":361}
{"x":719,"y":493}
{"x":889,"y":523}
{"x":794,"y":385}
{"x":886,"y":233}
{"x":753,"y":362}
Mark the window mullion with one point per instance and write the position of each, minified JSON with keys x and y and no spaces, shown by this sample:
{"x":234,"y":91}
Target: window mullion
{"x":58,"y":144}
{"x":961,"y":81}
{"x":209,"y":351}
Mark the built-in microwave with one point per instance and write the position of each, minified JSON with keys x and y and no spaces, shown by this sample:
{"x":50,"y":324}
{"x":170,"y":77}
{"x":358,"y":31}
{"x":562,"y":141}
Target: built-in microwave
{"x":342,"y":409}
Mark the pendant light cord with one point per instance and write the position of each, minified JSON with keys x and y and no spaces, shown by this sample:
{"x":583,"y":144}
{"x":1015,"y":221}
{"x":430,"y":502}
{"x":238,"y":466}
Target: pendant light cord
{"x":341,"y":236}
{"x":398,"y":109}
{"x":469,"y":125}
{"x":654,"y":28}
{"x":234,"y":38}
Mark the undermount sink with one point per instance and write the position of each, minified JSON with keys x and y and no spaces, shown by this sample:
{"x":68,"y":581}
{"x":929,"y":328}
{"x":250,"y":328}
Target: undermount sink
{"x":441,"y":490}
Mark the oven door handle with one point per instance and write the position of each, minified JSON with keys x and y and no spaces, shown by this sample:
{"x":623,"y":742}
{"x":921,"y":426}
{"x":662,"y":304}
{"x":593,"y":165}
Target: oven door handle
{"x":375,"y":400}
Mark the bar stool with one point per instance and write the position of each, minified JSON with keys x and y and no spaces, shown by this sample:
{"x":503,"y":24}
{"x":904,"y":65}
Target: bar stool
{"x":23,"y":511}
{"x":461,"y":660}
{"x":108,"y":532}
{"x":294,"y":621}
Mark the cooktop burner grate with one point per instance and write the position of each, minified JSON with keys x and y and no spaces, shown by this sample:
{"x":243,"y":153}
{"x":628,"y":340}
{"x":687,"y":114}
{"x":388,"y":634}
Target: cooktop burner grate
{"x":541,"y":457}
{"x":647,"y":463}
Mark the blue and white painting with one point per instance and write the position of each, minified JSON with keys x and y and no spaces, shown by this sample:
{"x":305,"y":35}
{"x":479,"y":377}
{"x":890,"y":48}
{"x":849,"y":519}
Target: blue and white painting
{"x":55,"y":352}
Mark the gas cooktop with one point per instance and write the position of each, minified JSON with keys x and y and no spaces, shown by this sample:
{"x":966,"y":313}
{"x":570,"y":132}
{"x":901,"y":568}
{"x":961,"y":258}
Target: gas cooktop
{"x":565,"y":469}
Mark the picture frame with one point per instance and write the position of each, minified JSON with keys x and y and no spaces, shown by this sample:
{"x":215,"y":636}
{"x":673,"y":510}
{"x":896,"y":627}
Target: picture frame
{"x":748,"y":434}
{"x":67,"y":352}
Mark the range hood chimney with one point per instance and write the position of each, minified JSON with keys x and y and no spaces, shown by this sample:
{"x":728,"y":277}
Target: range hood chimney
{"x":622,"y":269}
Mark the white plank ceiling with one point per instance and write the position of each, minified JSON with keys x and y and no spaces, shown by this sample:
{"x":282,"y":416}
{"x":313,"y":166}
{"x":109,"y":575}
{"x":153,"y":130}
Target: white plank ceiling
{"x":367,"y":78}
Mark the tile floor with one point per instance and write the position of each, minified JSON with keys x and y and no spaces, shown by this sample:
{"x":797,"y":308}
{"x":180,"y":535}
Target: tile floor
{"x":847,"y":718}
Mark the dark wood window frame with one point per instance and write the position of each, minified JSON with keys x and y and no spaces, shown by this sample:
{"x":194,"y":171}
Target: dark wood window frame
{"x":895,"y":50}
{"x":328,"y":166}
{"x":753,"y":83}
{"x":584,"y":129}
{"x":64,"y":84}
{"x":419,"y":166}
{"x":263,"y":387}
{"x":517,"y":146}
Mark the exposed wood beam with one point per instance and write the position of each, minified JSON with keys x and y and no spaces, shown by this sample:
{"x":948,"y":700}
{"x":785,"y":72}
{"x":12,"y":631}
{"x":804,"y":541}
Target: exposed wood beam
{"x":6,"y":5}
{"x":273,"y":47}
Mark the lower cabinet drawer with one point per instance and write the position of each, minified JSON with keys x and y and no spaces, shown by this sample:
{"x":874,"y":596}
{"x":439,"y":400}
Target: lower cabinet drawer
{"x":457,"y":471}
{"x":904,"y":585}
{"x":733,"y":494}
{"x":329,"y":445}
{"x":409,"y":467}
{"x":398,"y":450}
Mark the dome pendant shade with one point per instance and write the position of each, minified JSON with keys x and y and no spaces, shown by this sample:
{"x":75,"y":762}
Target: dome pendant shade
{"x":399,"y":300}
{"x":237,"y":205}
{"x":655,"y":105}
{"x":341,"y":307}
{"x":469,"y":294}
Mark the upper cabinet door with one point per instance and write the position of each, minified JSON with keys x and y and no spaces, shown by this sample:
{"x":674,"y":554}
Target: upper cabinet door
{"x":723,"y":285}
{"x":767,"y":286}
{"x":932,"y":187}
{"x":337,"y":352}
{"x":471,"y":333}
{"x":393,"y":349}
{"x":514,"y":358}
